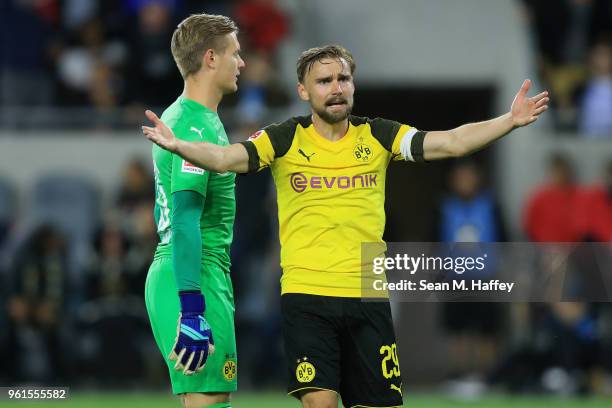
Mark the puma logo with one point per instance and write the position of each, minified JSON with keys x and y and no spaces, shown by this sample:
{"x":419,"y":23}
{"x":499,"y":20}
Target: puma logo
{"x":198,"y":131}
{"x":396,"y":388}
{"x":300,"y":151}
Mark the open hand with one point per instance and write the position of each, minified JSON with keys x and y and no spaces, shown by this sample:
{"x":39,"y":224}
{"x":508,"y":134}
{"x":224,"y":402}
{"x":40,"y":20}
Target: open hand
{"x":161,"y":134}
{"x":526,"y":110}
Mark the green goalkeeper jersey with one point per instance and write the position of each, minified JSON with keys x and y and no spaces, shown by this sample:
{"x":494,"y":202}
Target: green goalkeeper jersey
{"x":194,"y":122}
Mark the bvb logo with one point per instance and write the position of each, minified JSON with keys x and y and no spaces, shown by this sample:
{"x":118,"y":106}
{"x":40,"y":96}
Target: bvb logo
{"x":305,"y":372}
{"x":229,"y":370}
{"x":362,"y":152}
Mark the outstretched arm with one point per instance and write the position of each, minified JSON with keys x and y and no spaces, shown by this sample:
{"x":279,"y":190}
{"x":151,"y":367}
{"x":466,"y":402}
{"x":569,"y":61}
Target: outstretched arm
{"x":209,"y":156}
{"x":469,"y":138}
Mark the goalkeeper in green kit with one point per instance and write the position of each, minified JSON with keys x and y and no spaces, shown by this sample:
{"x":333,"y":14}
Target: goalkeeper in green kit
{"x":188,"y":292}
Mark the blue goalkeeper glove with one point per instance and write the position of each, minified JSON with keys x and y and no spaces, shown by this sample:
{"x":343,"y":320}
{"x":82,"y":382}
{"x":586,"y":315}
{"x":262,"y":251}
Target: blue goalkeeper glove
{"x":194,"y":341}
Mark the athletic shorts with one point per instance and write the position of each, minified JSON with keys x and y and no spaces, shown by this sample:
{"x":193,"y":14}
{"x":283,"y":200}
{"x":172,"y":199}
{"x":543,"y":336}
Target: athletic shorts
{"x":161,"y":297}
{"x":342,"y":345}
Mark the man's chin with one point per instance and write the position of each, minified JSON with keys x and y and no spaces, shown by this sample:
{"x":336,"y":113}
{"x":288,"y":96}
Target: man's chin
{"x":335,"y":116}
{"x":230,"y":88}
{"x":233,"y":88}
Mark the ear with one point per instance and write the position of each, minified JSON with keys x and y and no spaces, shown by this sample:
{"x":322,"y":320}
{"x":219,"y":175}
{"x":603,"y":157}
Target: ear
{"x":302,"y":92}
{"x":210,"y":58}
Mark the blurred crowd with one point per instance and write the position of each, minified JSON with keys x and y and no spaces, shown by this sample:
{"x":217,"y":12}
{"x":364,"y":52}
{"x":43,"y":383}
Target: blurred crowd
{"x":73,"y":280}
{"x":573,"y":42}
{"x":562,"y":348}
{"x":94,"y":57}
{"x":72,"y":276}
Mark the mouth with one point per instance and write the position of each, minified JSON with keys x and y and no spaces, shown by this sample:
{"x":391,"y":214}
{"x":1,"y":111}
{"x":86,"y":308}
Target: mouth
{"x":336,"y":103}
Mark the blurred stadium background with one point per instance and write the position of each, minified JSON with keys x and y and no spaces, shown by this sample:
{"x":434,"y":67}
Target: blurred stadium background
{"x":76,"y":191}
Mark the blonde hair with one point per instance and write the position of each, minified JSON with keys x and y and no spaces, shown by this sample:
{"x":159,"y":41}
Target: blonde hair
{"x":196,"y":34}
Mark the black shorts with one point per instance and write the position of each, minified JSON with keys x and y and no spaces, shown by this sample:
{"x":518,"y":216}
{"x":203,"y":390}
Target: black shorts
{"x":343,"y":345}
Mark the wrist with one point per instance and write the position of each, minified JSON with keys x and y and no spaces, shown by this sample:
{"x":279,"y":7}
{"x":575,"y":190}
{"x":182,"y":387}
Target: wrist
{"x":192,"y":303}
{"x":178,"y":146}
{"x":510,"y":121}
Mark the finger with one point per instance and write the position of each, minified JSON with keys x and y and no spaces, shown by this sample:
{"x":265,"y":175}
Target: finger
{"x":539,"y":96}
{"x":525,"y":87}
{"x":541,"y":102}
{"x":149,"y":133}
{"x":172,"y":356}
{"x":540,"y":110}
{"x":179,"y":359}
{"x":152,"y":117}
{"x":201,"y":362}
{"x":148,"y":129}
{"x":211,"y":349}
{"x":151,"y":136}
{"x":188,"y":370}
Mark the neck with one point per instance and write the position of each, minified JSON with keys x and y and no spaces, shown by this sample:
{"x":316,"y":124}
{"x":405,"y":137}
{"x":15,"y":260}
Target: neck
{"x":332,"y":132}
{"x":203,"y":91}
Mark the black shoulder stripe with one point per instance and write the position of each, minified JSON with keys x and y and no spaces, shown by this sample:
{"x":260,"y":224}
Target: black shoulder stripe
{"x":416,"y":146}
{"x":304,"y":121}
{"x":253,"y":155}
{"x":281,"y":134}
{"x":357,"y":120}
{"x":384,"y":131}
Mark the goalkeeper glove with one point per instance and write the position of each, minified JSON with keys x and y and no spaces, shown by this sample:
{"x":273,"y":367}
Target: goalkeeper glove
{"x":194,"y":339}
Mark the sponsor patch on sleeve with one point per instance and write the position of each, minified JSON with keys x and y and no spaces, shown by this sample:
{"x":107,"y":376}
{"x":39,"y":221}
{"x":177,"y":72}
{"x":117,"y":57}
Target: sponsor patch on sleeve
{"x":187,"y":167}
{"x":255,"y":135}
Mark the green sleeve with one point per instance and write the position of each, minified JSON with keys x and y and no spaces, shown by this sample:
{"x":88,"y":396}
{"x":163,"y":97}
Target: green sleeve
{"x":187,"y":176}
{"x":187,"y":239}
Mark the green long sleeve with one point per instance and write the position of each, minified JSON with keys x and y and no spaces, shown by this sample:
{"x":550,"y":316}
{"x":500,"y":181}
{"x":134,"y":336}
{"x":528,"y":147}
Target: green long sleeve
{"x":186,"y":239}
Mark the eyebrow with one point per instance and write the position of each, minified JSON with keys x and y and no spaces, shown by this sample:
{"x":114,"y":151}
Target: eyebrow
{"x":330,"y":77}
{"x":327,"y":78}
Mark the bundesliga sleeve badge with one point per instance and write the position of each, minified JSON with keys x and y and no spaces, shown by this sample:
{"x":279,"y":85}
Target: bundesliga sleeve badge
{"x":255,"y":135}
{"x":187,"y":167}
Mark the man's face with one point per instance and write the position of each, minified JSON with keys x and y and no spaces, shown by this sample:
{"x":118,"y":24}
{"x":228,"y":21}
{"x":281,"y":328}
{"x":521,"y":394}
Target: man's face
{"x":229,"y":65}
{"x":328,"y":87}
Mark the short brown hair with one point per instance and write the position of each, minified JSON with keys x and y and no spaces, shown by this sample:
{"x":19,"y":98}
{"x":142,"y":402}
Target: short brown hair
{"x":309,"y":57}
{"x":196,"y":34}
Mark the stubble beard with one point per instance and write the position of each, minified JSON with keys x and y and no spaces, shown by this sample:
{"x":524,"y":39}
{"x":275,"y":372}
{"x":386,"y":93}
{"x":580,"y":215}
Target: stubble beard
{"x":333,"y":118}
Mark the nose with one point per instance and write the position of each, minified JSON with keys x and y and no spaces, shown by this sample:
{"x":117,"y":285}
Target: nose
{"x":241,"y":63}
{"x":338,"y":88}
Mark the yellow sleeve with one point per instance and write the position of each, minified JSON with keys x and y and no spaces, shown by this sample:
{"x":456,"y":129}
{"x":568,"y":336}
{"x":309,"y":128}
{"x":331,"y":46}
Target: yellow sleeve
{"x":260,"y":150}
{"x":408,"y":144}
{"x":269,"y":143}
{"x":404,"y":142}
{"x":397,"y":141}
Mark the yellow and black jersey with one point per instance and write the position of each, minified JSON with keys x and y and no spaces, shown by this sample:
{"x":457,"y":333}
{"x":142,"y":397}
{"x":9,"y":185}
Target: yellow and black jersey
{"x":331,"y":196}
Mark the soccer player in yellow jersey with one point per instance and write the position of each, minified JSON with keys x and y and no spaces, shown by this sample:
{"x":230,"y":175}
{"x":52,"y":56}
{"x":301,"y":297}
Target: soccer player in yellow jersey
{"x":329,"y":169}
